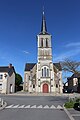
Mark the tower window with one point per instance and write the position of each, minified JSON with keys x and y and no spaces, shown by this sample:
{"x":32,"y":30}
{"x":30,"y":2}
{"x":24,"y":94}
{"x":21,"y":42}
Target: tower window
{"x":41,"y":42}
{"x":46,"y":42}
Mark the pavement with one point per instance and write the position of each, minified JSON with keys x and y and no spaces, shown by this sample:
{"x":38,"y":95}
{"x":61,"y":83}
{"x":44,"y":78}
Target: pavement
{"x":37,"y":107}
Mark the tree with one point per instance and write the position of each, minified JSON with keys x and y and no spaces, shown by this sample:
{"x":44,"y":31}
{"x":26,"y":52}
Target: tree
{"x":71,"y":66}
{"x":18,"y":79}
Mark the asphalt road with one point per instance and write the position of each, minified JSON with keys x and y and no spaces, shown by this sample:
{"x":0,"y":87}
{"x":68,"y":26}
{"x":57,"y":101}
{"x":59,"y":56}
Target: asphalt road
{"x":33,"y":108}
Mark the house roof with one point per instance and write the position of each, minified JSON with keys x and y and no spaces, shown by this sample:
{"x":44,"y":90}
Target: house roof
{"x":58,"y":66}
{"x":76,"y":75}
{"x":29,"y":66}
{"x":7,"y":69}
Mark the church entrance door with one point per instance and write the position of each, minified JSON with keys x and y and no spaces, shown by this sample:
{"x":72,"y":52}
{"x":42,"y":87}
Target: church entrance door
{"x":45,"y":88}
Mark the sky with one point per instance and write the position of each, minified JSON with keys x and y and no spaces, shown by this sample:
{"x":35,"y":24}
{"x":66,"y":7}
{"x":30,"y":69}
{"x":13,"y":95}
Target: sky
{"x":20,"y":22}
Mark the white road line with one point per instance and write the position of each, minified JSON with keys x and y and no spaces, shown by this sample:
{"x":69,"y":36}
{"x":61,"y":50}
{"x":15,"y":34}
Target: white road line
{"x":34,"y":106}
{"x":75,"y":114}
{"x":10,"y":106}
{"x":53,"y":107}
{"x":28,"y":106}
{"x":16,"y":106}
{"x":46,"y":106}
{"x":22,"y":106}
{"x":59,"y":107}
{"x":40,"y":106}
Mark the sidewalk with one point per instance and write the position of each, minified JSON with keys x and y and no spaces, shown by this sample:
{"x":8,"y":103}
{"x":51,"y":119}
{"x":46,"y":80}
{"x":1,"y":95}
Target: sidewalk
{"x":75,"y":115}
{"x":24,"y":93}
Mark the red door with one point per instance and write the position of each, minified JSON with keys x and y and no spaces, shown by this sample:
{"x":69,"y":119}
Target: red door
{"x":45,"y":88}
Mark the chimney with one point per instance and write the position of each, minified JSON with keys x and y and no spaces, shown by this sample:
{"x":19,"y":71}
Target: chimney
{"x":10,"y":65}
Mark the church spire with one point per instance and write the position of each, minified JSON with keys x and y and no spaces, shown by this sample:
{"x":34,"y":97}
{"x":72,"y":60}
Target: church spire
{"x":43,"y":26}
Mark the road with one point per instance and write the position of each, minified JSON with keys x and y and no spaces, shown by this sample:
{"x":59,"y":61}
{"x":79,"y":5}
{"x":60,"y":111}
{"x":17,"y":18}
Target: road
{"x":34,"y":108}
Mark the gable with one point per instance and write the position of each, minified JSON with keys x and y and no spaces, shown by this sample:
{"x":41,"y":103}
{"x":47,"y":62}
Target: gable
{"x":29,"y":66}
{"x":58,"y":66}
{"x":8,"y":70}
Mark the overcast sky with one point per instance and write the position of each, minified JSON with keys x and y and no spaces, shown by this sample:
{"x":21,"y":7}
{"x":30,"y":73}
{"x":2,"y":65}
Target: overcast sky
{"x":20,"y":22}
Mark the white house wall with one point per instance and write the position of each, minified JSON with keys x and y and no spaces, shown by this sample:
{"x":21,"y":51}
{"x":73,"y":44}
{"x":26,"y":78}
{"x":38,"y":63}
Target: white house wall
{"x":11,"y":81}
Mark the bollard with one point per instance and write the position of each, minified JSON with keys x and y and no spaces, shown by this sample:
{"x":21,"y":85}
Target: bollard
{"x":2,"y":102}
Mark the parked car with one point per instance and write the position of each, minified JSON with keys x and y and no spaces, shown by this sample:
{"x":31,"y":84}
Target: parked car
{"x":77,"y":106}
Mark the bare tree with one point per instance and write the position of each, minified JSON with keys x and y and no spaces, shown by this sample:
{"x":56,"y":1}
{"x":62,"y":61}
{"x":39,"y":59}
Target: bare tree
{"x":71,"y":66}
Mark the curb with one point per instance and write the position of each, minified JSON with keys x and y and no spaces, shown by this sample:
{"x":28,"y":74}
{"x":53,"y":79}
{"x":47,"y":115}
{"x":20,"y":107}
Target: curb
{"x":68,"y":114}
{"x":5,"y":104}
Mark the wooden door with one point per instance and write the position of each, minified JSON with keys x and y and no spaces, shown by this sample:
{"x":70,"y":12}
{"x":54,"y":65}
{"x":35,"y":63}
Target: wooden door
{"x":45,"y":88}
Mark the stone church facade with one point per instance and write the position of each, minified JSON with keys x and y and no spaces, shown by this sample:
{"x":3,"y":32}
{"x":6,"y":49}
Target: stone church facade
{"x":43,"y":76}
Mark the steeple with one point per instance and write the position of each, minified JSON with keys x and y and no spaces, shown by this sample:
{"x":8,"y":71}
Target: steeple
{"x":43,"y":26}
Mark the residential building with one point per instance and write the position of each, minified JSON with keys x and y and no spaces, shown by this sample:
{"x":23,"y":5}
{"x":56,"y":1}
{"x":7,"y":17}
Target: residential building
{"x":7,"y":79}
{"x":74,"y":82}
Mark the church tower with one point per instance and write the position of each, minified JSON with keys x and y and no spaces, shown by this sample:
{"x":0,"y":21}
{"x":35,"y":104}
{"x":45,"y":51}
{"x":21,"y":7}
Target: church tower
{"x":45,"y":76}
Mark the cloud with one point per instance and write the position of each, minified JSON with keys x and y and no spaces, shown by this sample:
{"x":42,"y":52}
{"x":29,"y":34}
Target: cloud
{"x":73,"y":44}
{"x":65,"y":55}
{"x":26,"y":52}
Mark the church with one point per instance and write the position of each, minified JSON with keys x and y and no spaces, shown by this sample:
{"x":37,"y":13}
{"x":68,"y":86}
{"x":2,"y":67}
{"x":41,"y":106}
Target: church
{"x":43,"y":76}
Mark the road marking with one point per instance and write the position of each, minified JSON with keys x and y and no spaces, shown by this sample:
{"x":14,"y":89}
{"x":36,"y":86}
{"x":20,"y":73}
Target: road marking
{"x":34,"y":106}
{"x":46,"y":106}
{"x":10,"y":106}
{"x":75,"y":114}
{"x":40,"y":106}
{"x":59,"y":107}
{"x":22,"y":106}
{"x":16,"y":106}
{"x":53,"y":107}
{"x":28,"y":106}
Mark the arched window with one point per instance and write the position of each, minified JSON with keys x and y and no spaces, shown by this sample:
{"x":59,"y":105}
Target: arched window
{"x":41,"y":42}
{"x":42,"y":73}
{"x":45,"y":72}
{"x":46,"y":42}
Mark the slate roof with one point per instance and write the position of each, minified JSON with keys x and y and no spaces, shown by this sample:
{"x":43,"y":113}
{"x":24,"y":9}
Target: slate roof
{"x":29,"y":66}
{"x":41,"y":33}
{"x":58,"y":66}
{"x":76,"y":75}
{"x":7,"y":69}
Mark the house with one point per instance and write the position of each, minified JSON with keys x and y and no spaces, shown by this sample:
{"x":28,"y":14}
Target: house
{"x":74,"y":82}
{"x":43,"y":76}
{"x":7,"y":79}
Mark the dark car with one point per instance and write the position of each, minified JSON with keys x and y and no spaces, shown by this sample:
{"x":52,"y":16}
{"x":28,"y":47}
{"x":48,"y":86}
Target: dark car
{"x":77,"y":106}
